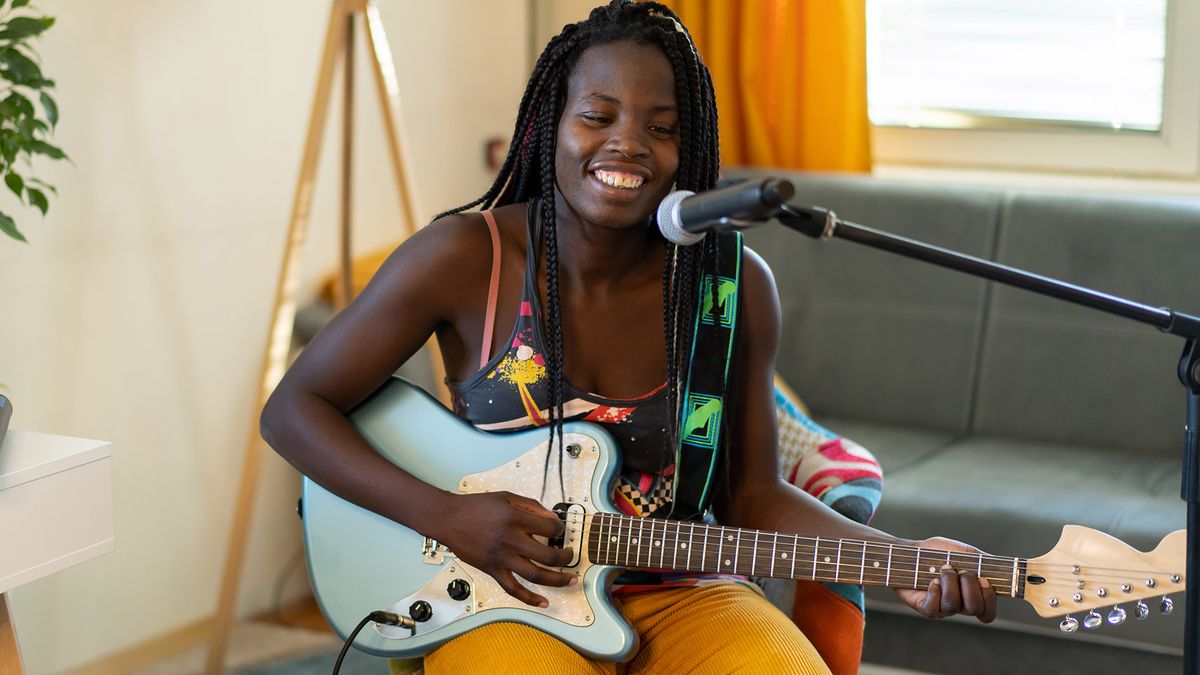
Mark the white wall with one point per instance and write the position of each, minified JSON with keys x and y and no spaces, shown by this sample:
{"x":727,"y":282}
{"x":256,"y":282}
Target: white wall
{"x":139,"y":311}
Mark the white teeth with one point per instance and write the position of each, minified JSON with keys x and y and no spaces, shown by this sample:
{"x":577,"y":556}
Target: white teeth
{"x":619,"y":180}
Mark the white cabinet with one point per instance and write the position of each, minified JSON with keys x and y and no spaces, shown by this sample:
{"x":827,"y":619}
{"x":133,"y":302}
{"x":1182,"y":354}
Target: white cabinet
{"x":56,"y":510}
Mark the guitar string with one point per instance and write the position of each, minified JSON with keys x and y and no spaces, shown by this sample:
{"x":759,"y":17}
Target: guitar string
{"x":813,"y":544}
{"x":1001,"y":565}
{"x":867,"y":575}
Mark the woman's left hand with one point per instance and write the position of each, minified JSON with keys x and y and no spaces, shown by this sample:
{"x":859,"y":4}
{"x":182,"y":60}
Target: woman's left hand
{"x":953,"y":592}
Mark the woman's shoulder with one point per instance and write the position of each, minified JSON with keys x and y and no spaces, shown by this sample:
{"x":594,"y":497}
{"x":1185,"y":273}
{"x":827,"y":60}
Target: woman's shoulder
{"x":467,"y":234}
{"x":453,"y":254}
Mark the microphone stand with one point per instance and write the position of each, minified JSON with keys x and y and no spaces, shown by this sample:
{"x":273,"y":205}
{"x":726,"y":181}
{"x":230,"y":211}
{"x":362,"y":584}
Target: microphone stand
{"x":822,"y":223}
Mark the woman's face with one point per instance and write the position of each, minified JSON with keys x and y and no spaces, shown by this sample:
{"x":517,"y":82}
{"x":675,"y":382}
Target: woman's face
{"x":618,"y":138}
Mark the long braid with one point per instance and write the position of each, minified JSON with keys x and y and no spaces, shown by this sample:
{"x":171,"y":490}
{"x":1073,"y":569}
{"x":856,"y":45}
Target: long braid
{"x":547,"y":129}
{"x":527,"y":175}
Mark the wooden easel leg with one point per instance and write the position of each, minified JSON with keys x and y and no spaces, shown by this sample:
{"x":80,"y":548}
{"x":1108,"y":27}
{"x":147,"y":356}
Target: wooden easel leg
{"x":278,"y":342}
{"x":343,"y":291}
{"x":389,"y":102}
{"x":338,"y":43}
{"x":10,"y":651}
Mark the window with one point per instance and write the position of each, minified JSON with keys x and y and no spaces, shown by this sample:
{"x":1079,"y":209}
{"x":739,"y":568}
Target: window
{"x":1075,"y":85}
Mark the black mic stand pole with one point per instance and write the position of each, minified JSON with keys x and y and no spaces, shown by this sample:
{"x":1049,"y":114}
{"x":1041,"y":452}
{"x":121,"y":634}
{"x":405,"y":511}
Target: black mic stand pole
{"x":822,"y":224}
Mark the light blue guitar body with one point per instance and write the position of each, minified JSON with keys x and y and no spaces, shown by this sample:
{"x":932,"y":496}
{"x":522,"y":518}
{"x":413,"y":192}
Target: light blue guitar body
{"x":359,"y":561}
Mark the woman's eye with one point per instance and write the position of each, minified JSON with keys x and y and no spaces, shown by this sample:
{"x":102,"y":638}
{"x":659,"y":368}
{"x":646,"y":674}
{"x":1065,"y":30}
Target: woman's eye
{"x":593,"y":117}
{"x":664,"y":130}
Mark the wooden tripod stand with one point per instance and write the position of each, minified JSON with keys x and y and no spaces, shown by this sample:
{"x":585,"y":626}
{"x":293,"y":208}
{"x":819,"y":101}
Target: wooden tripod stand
{"x":339,"y":44}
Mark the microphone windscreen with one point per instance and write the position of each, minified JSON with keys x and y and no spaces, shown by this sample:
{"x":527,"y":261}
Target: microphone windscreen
{"x":669,"y":223}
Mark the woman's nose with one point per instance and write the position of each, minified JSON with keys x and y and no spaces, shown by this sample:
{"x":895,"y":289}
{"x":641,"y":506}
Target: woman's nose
{"x":628,"y":140}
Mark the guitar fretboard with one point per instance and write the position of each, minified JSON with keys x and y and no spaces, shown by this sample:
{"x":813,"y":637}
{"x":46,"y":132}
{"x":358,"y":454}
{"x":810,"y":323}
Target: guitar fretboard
{"x":648,"y":543}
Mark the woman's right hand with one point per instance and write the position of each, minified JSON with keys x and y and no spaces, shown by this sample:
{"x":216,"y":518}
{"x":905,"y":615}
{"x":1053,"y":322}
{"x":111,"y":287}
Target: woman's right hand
{"x":493,"y":531}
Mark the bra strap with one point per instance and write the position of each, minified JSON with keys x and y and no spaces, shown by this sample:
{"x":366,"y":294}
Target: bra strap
{"x":493,"y":291}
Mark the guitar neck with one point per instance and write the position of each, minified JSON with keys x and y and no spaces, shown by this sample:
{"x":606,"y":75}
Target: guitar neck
{"x":648,"y":543}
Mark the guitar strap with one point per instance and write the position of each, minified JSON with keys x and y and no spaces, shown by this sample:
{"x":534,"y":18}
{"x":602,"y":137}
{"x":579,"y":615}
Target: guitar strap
{"x":706,"y":392}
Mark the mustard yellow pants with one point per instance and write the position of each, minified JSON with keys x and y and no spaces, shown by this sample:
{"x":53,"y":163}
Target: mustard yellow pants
{"x":716,"y":628}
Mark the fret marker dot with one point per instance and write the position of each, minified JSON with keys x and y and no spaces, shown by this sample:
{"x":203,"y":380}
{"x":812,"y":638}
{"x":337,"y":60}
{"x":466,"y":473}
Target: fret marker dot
{"x":614,"y":539}
{"x":683,"y":546}
{"x":656,"y":542}
{"x":635,"y":542}
{"x":731,"y":537}
{"x":826,"y":558}
{"x":932,"y":569}
{"x":726,"y":562}
{"x":784,"y":555}
{"x":876,"y":563}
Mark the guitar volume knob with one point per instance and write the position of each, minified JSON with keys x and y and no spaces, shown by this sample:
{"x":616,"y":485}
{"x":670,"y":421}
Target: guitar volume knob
{"x":420,"y":611}
{"x":459,"y":589}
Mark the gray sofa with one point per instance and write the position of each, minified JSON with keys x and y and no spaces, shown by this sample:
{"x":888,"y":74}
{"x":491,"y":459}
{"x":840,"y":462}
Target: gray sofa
{"x":998,"y":415}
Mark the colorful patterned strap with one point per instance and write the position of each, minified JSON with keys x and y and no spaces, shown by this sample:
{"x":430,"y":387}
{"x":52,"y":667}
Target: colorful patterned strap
{"x":703,"y":401}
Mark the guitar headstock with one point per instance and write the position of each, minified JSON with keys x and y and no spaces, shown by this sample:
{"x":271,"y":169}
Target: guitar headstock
{"x":1089,"y":569}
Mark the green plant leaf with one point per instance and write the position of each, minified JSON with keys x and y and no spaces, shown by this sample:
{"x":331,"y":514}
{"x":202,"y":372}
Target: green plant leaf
{"x":20,"y":68}
{"x":25,"y":26}
{"x":47,"y":149}
{"x":38,"y":199}
{"x":41,"y":183}
{"x":51,"y":109}
{"x":16,"y":184}
{"x":7,"y":226}
{"x":16,"y":104}
{"x":18,"y":4}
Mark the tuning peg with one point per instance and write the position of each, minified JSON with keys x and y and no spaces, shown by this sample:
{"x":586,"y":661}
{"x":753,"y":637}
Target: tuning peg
{"x":1166,"y":606}
{"x":1117,"y":616}
{"x":1069,"y":625}
{"x":1092,"y":620}
{"x":1141,"y":611}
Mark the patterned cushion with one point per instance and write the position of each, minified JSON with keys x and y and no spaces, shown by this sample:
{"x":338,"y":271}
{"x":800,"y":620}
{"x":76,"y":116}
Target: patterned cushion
{"x":836,"y":470}
{"x":848,"y":479}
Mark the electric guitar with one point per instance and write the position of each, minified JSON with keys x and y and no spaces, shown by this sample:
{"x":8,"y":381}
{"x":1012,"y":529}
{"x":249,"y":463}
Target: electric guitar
{"x":360,"y":562}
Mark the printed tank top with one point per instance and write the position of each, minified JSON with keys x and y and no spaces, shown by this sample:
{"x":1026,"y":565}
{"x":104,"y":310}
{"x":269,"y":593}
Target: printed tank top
{"x":509,"y":393}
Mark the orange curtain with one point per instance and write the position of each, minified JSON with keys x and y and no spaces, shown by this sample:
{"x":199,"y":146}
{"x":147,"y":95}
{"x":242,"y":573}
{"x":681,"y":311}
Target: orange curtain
{"x":790,"y":77}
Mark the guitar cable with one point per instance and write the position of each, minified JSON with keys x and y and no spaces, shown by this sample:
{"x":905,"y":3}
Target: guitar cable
{"x":379,"y":616}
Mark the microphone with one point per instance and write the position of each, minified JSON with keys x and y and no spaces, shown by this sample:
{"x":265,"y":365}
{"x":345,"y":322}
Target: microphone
{"x":684,"y":216}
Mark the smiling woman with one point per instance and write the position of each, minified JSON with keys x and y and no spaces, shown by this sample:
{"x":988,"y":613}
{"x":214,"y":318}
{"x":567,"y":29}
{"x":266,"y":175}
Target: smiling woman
{"x":560,"y":301}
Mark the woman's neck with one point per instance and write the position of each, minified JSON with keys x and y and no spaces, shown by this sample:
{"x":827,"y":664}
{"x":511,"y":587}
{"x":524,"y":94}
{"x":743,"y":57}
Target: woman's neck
{"x":599,"y":256}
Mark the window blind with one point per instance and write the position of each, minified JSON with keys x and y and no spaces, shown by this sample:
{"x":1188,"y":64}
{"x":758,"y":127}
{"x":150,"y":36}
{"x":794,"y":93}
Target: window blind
{"x":1003,"y":63}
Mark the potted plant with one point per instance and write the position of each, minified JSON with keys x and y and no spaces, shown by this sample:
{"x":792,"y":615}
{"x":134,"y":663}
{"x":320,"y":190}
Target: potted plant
{"x":25,"y":126}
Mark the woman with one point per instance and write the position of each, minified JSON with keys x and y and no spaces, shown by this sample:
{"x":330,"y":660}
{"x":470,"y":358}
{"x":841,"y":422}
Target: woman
{"x":586,"y":297}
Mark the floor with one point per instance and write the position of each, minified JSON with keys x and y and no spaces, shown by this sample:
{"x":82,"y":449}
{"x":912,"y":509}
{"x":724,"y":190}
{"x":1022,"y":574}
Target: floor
{"x":298,"y":631}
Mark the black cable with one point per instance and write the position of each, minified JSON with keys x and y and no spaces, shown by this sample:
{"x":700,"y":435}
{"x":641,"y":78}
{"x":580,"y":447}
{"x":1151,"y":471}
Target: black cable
{"x":388,"y":618}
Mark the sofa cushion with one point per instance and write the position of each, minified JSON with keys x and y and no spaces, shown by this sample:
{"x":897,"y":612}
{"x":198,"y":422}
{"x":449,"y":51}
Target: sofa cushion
{"x":1012,"y":497}
{"x":1111,"y":380}
{"x":870,"y":334}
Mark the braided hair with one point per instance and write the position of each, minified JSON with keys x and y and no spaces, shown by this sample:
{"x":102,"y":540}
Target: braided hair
{"x":527,"y":175}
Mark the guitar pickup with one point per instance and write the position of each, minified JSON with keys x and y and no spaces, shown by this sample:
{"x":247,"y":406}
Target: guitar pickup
{"x":573,"y":516}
